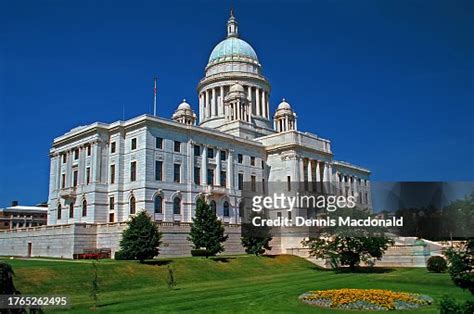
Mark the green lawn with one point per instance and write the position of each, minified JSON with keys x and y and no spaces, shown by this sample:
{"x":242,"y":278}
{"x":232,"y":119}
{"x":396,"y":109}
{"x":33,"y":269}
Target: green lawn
{"x":231,"y":284}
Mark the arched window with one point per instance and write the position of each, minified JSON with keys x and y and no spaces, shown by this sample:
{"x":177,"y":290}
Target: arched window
{"x":59,"y":211}
{"x":226,"y":209}
{"x":71,"y":210}
{"x":84,"y":208}
{"x":132,"y":205}
{"x":158,"y":204}
{"x":213,"y":206}
{"x":176,"y":206}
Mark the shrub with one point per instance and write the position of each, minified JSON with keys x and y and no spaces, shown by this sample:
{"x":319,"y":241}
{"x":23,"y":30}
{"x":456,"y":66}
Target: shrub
{"x":449,"y":306}
{"x":121,"y":255}
{"x":436,"y":264}
{"x":199,"y":252}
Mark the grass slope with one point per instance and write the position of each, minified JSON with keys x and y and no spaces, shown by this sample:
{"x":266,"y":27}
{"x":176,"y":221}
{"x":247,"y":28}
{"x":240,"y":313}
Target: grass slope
{"x":231,"y":284}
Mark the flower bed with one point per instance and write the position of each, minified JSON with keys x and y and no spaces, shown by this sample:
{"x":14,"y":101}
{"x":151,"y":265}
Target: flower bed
{"x":366,"y":299}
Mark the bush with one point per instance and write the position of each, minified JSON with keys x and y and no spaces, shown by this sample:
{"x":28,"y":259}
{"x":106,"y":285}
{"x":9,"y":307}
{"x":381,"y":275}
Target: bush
{"x":436,"y":264}
{"x":121,"y":255}
{"x":449,"y":306}
{"x":200,"y":252}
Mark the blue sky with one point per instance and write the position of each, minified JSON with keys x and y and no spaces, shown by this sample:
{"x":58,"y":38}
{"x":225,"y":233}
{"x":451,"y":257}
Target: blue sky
{"x":390,"y":83}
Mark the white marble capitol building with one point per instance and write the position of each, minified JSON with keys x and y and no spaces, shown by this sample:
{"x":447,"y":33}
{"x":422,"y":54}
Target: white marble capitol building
{"x":102,"y":173}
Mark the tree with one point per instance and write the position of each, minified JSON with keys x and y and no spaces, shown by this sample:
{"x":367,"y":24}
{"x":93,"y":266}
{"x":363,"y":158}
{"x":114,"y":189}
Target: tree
{"x":6,"y":279}
{"x":141,"y":240}
{"x":206,"y":230}
{"x":255,"y":239}
{"x":461,"y":265}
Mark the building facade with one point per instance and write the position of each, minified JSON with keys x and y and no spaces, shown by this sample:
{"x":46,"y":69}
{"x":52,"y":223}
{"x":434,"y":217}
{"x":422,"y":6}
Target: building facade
{"x":101,"y":174}
{"x":20,"y":216}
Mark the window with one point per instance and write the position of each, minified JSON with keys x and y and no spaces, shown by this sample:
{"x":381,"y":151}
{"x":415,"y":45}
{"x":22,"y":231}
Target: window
{"x":289,"y":214}
{"x":158,"y":170}
{"x":223,"y":155}
{"x":241,"y":209}
{"x":133,"y":171}
{"x":263,"y":164}
{"x":177,"y":173}
{"x":223,"y":178}
{"x":177,"y":206}
{"x":71,"y":210}
{"x":112,"y":174}
{"x":197,"y":175}
{"x":263,"y":186}
{"x":279,"y":215}
{"x":111,"y":217}
{"x":158,"y":204}
{"x":111,"y":203}
{"x":288,"y":183}
{"x":240,"y":158}
{"x":63,"y":180}
{"x":253,"y":183}
{"x":213,"y":206}
{"x":74,"y":178}
{"x":134,"y":143}
{"x":177,"y":146}
{"x":240,"y":181}
{"x":64,"y":158}
{"x":84,"y":208}
{"x":210,"y":176}
{"x":226,"y":209}
{"x":252,"y":161}
{"x":197,"y":150}
{"x":112,"y":147}
{"x":210,"y":152}
{"x":76,"y":154}
{"x":88,"y":175}
{"x":159,"y":143}
{"x":59,"y":211}
{"x":132,"y":205}
{"x":89,"y":150}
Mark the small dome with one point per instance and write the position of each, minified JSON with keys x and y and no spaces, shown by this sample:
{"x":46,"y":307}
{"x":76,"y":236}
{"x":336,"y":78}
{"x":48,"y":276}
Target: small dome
{"x":284,"y":105}
{"x":236,"y":88}
{"x":184,"y":105}
{"x":232,"y":47}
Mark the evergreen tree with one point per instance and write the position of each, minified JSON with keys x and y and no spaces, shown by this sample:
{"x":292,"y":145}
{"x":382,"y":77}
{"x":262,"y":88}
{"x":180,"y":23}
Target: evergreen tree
{"x":141,"y":239}
{"x":255,"y":239}
{"x":206,"y":230}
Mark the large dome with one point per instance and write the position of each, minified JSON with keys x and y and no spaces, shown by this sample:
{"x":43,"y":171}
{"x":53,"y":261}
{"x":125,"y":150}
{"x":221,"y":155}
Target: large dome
{"x":230,"y":48}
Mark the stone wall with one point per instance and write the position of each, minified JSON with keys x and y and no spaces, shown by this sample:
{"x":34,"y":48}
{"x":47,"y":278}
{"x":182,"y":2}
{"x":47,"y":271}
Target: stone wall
{"x":65,"y":240}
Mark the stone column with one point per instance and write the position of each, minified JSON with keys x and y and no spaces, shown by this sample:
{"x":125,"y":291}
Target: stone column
{"x":217,"y":176}
{"x":190,"y":162}
{"x":221,"y":104}
{"x":318,"y":176}
{"x":330,"y":189}
{"x":206,"y":105}
{"x":310,"y":175}
{"x":355,"y":186}
{"x":230,"y":169}
{"x":257,"y":101}
{"x":264,"y":105}
{"x":213,"y":102}
{"x":268,"y":105}
{"x":201,"y":107}
{"x":274,"y":125}
{"x":325,"y":177}
{"x":343,"y":184}
{"x":96,"y":162}
{"x":249,"y":94}
{"x":204,"y":165}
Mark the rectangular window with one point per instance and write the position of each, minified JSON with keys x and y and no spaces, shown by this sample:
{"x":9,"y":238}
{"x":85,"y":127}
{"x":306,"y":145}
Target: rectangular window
{"x":241,"y":181}
{"x":263,"y":164}
{"x":89,"y":150}
{"x":288,"y":181}
{"x":177,"y":173}
{"x":60,"y":212}
{"x":210,"y":176}
{"x":159,"y":143}
{"x":252,"y":161}
{"x":177,"y":146}
{"x":133,"y":171}
{"x":63,"y":180}
{"x":223,"y":155}
{"x":158,"y":170}
{"x":210,"y":153}
{"x":64,"y":158}
{"x":240,"y":158}
{"x":76,"y":154}
{"x":263,"y":186}
{"x":223,"y":178}
{"x":197,"y":175}
{"x":134,"y":143}
{"x":253,"y":183}
{"x":112,"y":174}
{"x":88,"y":175}
{"x":74,"y":178}
{"x":197,"y":150}
{"x":289,"y":214}
{"x":111,"y":217}
{"x":112,"y":147}
{"x":111,"y":203}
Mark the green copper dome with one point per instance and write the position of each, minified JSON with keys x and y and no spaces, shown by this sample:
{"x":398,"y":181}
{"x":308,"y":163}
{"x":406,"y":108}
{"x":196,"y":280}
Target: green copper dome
{"x":232,"y":47}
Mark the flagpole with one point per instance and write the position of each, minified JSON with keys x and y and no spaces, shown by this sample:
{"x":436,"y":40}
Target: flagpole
{"x":154,"y":96}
